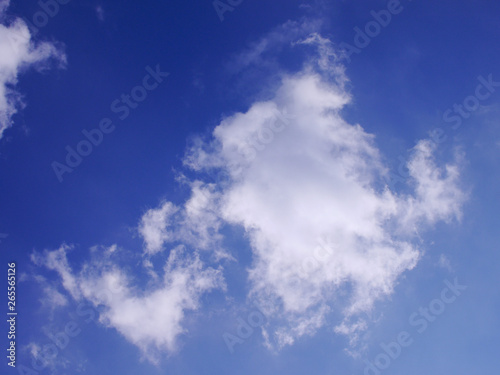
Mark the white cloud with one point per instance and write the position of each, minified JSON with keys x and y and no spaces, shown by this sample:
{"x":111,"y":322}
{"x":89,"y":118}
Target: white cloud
{"x":18,"y":52}
{"x":53,"y":297}
{"x":45,"y":359}
{"x":308,"y":189}
{"x":195,"y":224}
{"x":444,"y":262}
{"x":154,"y":227}
{"x":320,"y":181}
{"x":57,"y":261}
{"x":438,"y":196}
{"x":263,"y":52}
{"x":151,"y":319}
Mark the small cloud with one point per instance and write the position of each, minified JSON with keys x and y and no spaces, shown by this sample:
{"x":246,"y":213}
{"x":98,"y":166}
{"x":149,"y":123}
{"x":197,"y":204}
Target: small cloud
{"x":39,"y":355}
{"x":196,"y":223}
{"x":445,"y":263}
{"x":151,"y":319}
{"x":154,"y":227}
{"x":100,"y":13}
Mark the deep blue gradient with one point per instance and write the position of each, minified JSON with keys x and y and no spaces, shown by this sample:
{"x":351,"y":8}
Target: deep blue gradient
{"x":428,"y":58}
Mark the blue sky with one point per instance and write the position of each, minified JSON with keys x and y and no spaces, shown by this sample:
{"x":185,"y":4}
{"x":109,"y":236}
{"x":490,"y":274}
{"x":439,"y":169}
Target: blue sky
{"x":243,"y":186}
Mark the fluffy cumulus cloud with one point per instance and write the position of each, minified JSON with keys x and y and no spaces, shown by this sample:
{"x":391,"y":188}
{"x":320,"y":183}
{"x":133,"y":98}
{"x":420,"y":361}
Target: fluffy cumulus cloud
{"x":308,"y":188}
{"x":328,"y":236}
{"x":19,"y":52}
{"x":151,"y":319}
